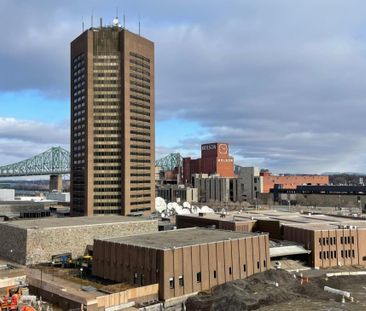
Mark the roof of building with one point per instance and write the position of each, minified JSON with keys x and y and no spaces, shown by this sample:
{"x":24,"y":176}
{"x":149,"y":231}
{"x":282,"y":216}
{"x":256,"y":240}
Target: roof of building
{"x":52,"y":222}
{"x":181,"y":238}
{"x":230,"y":217}
{"x":311,"y":221}
{"x":287,"y":250}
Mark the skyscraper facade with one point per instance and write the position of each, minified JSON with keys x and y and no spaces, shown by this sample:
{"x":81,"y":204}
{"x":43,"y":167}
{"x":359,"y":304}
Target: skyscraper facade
{"x":112,"y":123}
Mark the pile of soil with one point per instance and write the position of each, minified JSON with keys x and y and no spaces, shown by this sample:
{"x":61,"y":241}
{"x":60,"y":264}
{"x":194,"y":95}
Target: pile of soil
{"x":257,"y":291}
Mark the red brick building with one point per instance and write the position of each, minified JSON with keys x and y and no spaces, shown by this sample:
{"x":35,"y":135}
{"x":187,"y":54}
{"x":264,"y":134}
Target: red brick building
{"x":291,"y":181}
{"x":215,"y":159}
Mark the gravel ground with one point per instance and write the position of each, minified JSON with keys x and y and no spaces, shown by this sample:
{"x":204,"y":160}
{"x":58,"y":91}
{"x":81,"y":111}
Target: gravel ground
{"x":258,"y":291}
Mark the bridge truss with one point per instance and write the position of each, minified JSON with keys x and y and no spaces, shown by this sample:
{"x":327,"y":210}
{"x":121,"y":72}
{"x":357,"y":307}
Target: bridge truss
{"x":169,"y":162}
{"x":54,"y":161}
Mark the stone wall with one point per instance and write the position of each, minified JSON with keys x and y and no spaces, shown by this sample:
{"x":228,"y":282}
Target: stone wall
{"x":33,"y":246}
{"x":43,"y":243}
{"x":13,"y":243}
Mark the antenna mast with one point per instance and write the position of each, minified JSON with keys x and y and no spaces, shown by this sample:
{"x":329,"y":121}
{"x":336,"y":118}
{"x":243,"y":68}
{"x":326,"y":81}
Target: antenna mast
{"x":82,"y":23}
{"x":139,"y":26}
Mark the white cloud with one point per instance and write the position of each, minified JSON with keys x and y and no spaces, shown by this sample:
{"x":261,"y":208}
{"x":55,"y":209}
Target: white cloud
{"x":21,"y":139}
{"x":281,"y":81}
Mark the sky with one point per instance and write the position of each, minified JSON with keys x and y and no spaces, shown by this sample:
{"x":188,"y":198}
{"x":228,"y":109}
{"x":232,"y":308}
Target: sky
{"x":283,"y":82}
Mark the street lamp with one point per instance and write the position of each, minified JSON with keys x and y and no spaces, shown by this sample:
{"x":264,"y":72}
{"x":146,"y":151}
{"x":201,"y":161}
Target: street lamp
{"x":53,"y":270}
{"x":81,"y":276}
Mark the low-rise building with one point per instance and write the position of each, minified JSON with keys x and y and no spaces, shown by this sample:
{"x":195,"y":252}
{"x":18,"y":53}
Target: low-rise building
{"x":336,"y":196}
{"x":183,"y":261}
{"x":26,"y":209}
{"x":58,"y":196}
{"x":36,"y":241}
{"x":7,"y":194}
{"x":291,"y":181}
{"x":332,"y":240}
{"x":177,"y":193}
{"x":225,"y":221}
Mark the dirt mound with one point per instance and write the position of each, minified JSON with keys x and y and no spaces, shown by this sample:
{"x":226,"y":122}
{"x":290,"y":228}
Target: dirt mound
{"x":256,"y":291}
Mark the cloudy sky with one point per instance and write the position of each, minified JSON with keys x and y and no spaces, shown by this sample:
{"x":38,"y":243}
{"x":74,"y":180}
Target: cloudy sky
{"x":282,"y":81}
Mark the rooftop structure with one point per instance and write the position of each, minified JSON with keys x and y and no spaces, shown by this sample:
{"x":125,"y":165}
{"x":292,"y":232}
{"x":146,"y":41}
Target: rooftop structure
{"x":180,"y":238}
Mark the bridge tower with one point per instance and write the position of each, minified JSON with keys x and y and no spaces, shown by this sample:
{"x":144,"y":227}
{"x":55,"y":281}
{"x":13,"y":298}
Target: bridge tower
{"x":56,"y":183}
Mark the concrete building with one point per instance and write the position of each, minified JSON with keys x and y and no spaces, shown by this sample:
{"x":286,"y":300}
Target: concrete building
{"x":35,"y":241}
{"x":213,"y":188}
{"x":112,"y":122}
{"x":332,"y":241}
{"x":226,"y":221}
{"x":352,"y":197}
{"x":177,"y":193}
{"x":26,"y":209}
{"x":248,"y":184}
{"x":58,"y":196}
{"x":291,"y":181}
{"x":183,"y":261}
{"x":215,"y":160}
{"x":222,"y":189}
{"x":7,"y":194}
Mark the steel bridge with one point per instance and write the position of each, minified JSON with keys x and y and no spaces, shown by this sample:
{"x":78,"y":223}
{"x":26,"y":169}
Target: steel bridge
{"x":54,"y":161}
{"x":170,"y":162}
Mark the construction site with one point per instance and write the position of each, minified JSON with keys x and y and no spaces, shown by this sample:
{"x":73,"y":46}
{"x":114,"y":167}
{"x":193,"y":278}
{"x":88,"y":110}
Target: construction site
{"x":251,"y":259}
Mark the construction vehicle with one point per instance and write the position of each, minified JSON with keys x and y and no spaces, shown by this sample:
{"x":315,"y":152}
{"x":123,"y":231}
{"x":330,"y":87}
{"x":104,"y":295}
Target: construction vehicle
{"x":84,"y":262}
{"x":63,"y":260}
{"x":10,"y":300}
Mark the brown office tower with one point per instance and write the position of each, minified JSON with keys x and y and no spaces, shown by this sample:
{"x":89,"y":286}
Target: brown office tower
{"x":112,"y":123}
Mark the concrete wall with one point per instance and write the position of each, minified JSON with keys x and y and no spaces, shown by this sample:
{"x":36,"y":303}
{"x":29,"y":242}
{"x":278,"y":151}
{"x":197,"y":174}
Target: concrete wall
{"x":34,"y":246}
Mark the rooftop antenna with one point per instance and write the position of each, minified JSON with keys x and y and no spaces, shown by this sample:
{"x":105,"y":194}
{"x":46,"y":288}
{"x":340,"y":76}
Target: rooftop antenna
{"x":91,"y":18}
{"x":82,"y":23}
{"x":101,"y":22}
{"x":124,"y":20}
{"x":139,"y":26}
